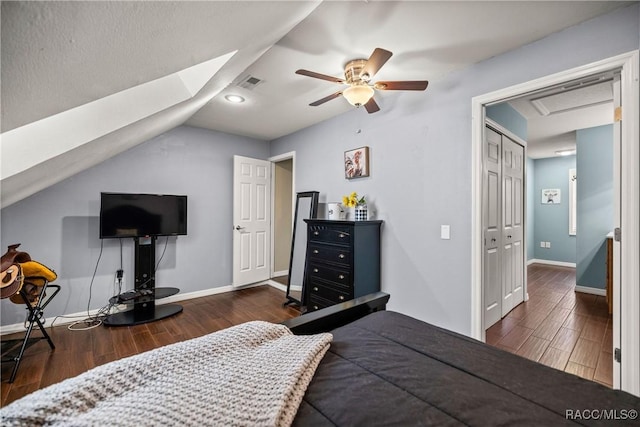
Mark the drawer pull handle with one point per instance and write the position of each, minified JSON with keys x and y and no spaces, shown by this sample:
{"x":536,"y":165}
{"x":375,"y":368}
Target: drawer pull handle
{"x":315,"y":233}
{"x":341,"y":256}
{"x":315,"y":251}
{"x":341,"y":276}
{"x":341,"y":298}
{"x":315,"y":307}
{"x":315,"y":288}
{"x":341,"y":236}
{"x":315,"y":270}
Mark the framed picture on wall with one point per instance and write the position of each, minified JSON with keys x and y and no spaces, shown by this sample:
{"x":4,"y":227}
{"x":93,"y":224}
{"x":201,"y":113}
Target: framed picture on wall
{"x":550,"y":196}
{"x":356,"y":163}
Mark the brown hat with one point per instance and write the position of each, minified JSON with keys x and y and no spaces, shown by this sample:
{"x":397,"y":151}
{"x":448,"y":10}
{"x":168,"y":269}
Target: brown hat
{"x":13,"y":255}
{"x":11,"y":280}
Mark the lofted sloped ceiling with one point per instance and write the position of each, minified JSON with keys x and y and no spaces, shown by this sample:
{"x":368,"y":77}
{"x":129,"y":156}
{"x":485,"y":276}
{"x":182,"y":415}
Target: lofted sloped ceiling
{"x":60,"y":60}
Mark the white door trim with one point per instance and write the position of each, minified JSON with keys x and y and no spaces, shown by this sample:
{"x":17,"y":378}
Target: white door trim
{"x":629,"y":302}
{"x":275,"y":159}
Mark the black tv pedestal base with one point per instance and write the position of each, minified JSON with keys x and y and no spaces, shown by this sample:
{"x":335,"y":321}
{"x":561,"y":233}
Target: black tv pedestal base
{"x":137,"y":317}
{"x":144,"y":296}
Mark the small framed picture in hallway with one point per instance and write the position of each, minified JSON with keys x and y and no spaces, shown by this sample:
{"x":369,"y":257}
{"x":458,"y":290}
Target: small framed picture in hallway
{"x":550,"y":196}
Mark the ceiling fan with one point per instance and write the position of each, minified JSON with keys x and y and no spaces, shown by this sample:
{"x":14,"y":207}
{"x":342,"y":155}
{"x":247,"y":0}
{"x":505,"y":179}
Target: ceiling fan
{"x":358,"y":74}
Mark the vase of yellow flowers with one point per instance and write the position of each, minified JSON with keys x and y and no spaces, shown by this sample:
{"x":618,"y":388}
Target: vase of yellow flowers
{"x":358,"y":204}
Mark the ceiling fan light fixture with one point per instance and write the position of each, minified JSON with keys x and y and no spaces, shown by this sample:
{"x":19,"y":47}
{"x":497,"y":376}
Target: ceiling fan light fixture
{"x":358,"y":95}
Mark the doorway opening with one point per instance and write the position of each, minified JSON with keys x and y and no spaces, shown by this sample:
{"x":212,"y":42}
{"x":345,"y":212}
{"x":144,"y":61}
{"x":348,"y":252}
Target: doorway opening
{"x":283,"y":195}
{"x":626,"y":302}
{"x":565,"y":322}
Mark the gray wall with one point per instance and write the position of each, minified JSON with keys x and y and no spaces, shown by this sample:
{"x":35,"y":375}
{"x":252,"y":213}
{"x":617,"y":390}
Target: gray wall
{"x":421,"y":164}
{"x":507,"y":116}
{"x":59,"y":226}
{"x":552,"y":220}
{"x":595,"y":206}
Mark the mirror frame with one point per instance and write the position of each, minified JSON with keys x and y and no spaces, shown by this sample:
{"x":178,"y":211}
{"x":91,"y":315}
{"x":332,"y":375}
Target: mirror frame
{"x":313,"y":213}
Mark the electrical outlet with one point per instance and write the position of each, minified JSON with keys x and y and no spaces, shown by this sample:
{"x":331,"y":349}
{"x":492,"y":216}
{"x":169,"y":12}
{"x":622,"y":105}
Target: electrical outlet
{"x":547,"y":245}
{"x":119,"y":278}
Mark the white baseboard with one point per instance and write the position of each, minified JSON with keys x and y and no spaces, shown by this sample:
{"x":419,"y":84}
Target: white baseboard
{"x":61,"y":320}
{"x":593,"y":291}
{"x":280,"y":273}
{"x":196,"y":294}
{"x":550,"y":262}
{"x":74,"y":317}
{"x":277,"y":285}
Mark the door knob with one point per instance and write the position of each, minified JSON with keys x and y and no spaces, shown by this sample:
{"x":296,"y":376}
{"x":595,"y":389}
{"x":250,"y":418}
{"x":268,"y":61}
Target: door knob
{"x":239,"y":228}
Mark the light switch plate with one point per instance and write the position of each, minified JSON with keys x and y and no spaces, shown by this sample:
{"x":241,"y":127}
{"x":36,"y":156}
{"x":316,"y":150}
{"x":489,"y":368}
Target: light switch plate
{"x":445,"y":232}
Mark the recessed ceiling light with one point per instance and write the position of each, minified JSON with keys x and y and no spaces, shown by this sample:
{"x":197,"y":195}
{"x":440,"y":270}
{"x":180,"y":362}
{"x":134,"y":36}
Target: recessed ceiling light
{"x":566,"y":152}
{"x":236,"y":99}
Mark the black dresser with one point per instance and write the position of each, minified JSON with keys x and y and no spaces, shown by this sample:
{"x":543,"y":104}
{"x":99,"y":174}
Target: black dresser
{"x":343,"y":261}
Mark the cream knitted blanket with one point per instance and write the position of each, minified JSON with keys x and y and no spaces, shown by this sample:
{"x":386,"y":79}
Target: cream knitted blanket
{"x":254,"y":374}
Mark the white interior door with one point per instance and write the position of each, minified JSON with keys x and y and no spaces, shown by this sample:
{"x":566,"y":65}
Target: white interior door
{"x":512,"y":235}
{"x":503,"y":228}
{"x":251,"y":220}
{"x":491,"y":212}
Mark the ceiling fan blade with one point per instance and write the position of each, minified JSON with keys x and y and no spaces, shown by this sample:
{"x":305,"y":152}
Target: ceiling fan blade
{"x":402,"y":85}
{"x":325,"y":99}
{"x":319,"y":76}
{"x":377,"y":59}
{"x":371,"y":106}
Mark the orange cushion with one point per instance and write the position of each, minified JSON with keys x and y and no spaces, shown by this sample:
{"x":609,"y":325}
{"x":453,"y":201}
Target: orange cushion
{"x":34,"y":268}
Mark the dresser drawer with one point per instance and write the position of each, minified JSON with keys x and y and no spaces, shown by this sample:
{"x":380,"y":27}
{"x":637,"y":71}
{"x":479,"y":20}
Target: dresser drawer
{"x":316,"y":303}
{"x":328,"y":253}
{"x":330,"y":234}
{"x":332,"y":274}
{"x":335,"y":295}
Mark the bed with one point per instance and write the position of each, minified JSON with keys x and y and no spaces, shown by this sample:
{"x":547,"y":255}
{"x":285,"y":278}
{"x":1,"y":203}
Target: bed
{"x":374,"y":367}
{"x":390,"y":369}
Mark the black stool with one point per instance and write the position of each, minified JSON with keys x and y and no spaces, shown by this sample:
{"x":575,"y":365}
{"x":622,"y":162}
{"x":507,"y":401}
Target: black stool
{"x":36,"y":312}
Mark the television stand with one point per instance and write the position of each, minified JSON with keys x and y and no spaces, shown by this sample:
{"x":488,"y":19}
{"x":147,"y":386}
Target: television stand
{"x":145,"y":293}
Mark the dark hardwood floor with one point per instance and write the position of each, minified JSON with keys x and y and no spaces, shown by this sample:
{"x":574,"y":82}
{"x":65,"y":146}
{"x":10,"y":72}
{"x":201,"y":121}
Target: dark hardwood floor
{"x":558,"y":327}
{"x":79,"y":351}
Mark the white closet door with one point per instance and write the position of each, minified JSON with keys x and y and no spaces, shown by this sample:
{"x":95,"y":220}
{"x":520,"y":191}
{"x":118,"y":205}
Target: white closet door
{"x":512,"y":227}
{"x":491,"y":212}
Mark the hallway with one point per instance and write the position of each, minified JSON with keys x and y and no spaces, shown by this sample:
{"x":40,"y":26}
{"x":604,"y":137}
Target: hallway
{"x":558,"y":327}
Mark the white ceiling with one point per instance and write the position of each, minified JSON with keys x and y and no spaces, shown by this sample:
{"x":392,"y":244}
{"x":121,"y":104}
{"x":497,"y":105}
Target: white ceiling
{"x":58,"y":55}
{"x":554,"y":115}
{"x":428,"y":40}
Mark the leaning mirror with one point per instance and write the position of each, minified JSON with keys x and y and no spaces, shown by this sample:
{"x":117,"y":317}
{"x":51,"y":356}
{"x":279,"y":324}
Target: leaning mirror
{"x":306,"y":208}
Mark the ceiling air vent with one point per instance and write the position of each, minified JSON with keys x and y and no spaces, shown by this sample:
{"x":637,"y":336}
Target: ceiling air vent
{"x":586,"y":93}
{"x":249,"y":82}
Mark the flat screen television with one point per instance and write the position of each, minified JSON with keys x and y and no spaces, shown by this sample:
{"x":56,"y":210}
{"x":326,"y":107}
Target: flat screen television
{"x":142,"y":215}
